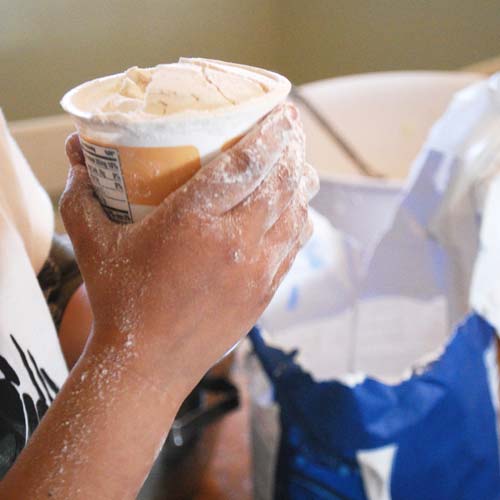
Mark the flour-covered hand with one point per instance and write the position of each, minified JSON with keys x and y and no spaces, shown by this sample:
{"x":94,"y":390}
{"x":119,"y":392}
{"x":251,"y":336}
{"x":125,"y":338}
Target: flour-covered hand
{"x":189,"y":280}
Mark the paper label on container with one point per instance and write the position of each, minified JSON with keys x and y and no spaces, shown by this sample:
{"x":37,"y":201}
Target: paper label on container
{"x":130,"y":181}
{"x":104,"y":168}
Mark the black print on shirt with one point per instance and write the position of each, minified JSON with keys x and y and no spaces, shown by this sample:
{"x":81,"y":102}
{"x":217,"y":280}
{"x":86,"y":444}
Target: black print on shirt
{"x":15,"y":428}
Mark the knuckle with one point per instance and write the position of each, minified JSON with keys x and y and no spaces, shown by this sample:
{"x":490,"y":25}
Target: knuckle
{"x":240,"y":159}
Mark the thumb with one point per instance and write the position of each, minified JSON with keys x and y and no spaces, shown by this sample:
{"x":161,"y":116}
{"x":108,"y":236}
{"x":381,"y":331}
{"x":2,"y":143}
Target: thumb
{"x":74,"y":150}
{"x":84,"y":219}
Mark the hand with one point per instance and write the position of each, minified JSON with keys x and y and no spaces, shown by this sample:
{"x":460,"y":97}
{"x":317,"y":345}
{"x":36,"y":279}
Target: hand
{"x":169,"y":295}
{"x":179,"y":288}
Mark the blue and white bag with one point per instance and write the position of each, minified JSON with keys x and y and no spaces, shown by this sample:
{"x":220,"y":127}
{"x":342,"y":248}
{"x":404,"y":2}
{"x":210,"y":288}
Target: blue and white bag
{"x":375,"y":373}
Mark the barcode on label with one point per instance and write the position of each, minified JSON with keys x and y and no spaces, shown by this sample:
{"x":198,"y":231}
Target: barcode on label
{"x":103,"y":165}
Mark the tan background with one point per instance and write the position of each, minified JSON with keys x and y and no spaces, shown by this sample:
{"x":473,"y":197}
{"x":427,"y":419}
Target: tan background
{"x":47,"y":46}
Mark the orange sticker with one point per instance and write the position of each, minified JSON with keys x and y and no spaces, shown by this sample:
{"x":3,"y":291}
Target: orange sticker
{"x":150,"y":174}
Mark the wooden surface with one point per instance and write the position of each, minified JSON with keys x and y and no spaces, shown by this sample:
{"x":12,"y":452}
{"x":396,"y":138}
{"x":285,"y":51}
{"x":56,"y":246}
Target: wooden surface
{"x":228,"y":476}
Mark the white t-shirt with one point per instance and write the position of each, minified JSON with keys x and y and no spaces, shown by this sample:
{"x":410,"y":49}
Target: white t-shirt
{"x":32,"y":367}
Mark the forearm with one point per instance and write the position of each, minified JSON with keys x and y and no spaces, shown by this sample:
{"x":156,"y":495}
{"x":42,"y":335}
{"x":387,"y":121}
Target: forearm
{"x":101,"y":434}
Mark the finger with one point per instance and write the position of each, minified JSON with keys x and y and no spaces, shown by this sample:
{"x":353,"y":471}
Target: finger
{"x":290,"y":224}
{"x":286,"y":263}
{"x":281,"y":268}
{"x":309,"y":184}
{"x":285,"y":266}
{"x":228,"y":179}
{"x":262,"y":208}
{"x":82,"y":214}
{"x":279,"y":240}
{"x":74,"y":150}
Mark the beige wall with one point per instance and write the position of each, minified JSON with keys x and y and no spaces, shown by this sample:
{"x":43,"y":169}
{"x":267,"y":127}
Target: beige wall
{"x":47,"y":46}
{"x":321,"y":38}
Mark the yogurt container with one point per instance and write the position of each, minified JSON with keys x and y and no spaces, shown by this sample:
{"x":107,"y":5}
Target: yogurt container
{"x":145,"y":132}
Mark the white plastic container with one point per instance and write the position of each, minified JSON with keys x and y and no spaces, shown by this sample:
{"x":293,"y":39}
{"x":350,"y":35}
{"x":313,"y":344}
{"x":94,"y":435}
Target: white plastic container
{"x":135,"y":164}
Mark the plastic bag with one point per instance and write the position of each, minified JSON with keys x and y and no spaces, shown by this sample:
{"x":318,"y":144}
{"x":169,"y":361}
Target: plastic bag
{"x":377,"y":397}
